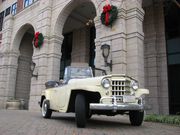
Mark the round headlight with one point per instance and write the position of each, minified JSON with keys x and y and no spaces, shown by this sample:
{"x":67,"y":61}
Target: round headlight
{"x":105,"y":83}
{"x":134,"y":85}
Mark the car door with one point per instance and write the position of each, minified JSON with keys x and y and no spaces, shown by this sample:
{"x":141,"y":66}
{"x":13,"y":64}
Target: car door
{"x":53,"y":98}
{"x":61,"y":97}
{"x":58,"y":97}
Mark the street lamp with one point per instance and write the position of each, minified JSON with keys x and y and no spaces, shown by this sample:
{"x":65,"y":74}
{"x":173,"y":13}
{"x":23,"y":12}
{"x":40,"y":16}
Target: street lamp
{"x":105,"y":53}
{"x":33,"y":65}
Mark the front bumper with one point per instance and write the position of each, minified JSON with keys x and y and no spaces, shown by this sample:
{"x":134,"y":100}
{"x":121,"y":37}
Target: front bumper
{"x":117,"y":107}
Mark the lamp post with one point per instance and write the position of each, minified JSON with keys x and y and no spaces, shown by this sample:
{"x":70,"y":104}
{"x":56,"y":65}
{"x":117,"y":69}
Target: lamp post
{"x":33,"y":65}
{"x":105,"y":53}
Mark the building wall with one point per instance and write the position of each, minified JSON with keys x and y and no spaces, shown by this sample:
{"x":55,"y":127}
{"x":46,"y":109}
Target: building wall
{"x":19,"y":5}
{"x":7,"y":3}
{"x":0,"y":38}
{"x":156,"y":59}
{"x":80,"y":46}
{"x":125,"y":36}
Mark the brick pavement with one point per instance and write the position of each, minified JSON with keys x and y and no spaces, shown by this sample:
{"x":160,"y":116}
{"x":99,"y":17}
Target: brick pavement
{"x":31,"y":123}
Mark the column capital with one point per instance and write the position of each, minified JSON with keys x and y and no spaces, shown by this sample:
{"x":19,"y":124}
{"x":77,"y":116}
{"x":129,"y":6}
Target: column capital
{"x":133,"y":4}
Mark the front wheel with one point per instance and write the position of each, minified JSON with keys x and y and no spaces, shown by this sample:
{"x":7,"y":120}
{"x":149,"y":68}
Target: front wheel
{"x":80,"y":110}
{"x":136,"y":117}
{"x":45,"y":110}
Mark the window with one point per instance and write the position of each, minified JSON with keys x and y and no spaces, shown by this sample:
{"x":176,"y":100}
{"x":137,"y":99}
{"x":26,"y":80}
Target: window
{"x":1,"y":20}
{"x":8,"y":10}
{"x":14,"y":8}
{"x":27,"y":3}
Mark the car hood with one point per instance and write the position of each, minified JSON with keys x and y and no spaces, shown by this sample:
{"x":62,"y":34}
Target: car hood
{"x":97,"y":80}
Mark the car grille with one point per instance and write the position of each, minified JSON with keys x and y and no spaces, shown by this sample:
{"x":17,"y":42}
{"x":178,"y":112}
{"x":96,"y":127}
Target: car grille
{"x":120,"y":87}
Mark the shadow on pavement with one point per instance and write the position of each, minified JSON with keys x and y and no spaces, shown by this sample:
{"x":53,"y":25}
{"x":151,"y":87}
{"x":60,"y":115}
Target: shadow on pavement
{"x":95,"y":121}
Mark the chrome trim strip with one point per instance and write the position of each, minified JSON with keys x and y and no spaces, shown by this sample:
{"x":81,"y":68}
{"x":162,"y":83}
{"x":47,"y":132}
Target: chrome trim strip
{"x":114,"y":106}
{"x":125,"y":107}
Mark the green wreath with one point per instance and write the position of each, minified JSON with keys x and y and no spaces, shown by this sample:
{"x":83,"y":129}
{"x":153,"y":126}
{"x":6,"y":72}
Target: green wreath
{"x":38,"y":40}
{"x":109,"y":14}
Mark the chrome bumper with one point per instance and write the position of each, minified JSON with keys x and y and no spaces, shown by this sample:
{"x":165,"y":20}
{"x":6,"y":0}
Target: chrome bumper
{"x":115,"y":107}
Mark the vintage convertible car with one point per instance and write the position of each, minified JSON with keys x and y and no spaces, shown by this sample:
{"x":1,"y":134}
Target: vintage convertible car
{"x":85,"y":95}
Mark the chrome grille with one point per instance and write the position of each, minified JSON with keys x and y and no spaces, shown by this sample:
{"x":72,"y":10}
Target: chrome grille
{"x":120,"y":87}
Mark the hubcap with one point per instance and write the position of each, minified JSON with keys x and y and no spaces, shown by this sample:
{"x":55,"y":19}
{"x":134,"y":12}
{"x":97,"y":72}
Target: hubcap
{"x":44,"y":109}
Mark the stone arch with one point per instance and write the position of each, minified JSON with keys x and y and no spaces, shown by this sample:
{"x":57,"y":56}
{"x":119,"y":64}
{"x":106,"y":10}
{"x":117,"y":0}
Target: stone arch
{"x":22,"y":45}
{"x":66,"y":11}
{"x":57,"y":37}
{"x":19,"y":35}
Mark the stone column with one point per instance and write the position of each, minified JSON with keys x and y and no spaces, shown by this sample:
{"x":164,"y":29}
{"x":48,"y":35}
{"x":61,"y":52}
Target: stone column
{"x":8,"y":69}
{"x":135,"y":40}
{"x":150,"y":49}
{"x":155,"y":59}
{"x":80,"y":46}
{"x":8,"y":66}
{"x":54,"y":58}
{"x":11,"y":74}
{"x":40,"y":56}
{"x":162,"y":60}
{"x":115,"y":36}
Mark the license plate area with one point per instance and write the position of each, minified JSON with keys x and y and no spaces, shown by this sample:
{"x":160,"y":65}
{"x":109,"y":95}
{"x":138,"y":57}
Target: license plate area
{"x":119,"y":99}
{"x":129,"y":99}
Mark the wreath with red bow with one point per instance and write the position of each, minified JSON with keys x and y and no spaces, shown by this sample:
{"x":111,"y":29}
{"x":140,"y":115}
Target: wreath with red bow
{"x":38,"y":40}
{"x":109,"y":14}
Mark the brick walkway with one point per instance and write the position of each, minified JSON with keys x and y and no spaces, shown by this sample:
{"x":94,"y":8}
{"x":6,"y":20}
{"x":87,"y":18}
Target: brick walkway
{"x":31,"y":123}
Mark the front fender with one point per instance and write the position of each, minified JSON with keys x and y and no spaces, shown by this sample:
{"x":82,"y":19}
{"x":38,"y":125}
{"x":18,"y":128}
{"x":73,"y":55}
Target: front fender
{"x":141,"y":92}
{"x":89,"y":88}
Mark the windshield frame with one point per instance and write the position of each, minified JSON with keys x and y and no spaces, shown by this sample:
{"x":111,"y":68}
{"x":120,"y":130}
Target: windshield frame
{"x":80,"y":72}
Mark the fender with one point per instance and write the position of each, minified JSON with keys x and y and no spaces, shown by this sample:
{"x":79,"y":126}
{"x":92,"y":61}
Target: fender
{"x":141,"y":92}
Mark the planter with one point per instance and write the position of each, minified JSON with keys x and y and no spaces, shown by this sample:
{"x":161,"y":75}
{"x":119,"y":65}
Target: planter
{"x":13,"y":104}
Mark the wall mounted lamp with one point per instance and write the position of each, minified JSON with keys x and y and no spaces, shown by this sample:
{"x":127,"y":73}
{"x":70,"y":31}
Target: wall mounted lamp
{"x":105,"y":53}
{"x":33,"y":65}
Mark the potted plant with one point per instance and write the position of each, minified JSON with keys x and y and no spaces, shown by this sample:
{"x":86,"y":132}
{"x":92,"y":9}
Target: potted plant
{"x":13,"y":104}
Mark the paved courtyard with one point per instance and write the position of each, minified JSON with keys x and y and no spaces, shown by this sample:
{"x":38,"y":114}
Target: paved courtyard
{"x":31,"y":123}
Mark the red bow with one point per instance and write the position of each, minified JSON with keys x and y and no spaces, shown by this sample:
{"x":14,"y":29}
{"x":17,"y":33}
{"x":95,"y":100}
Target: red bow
{"x":106,"y":10}
{"x":36,"y":39}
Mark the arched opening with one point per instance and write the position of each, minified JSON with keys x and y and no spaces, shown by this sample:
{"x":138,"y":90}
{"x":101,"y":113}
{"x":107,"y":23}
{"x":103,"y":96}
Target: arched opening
{"x":79,"y":34}
{"x":23,"y":78}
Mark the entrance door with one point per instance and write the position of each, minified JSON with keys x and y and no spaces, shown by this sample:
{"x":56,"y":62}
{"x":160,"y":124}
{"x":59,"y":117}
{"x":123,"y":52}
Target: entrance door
{"x":92,"y":47}
{"x":172,"y":26}
{"x":174,"y":93}
{"x":66,"y":53}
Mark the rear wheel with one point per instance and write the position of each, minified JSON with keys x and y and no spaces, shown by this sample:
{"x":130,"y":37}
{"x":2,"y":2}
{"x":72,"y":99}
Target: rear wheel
{"x":80,"y":110}
{"x":136,"y":117}
{"x":45,"y":110}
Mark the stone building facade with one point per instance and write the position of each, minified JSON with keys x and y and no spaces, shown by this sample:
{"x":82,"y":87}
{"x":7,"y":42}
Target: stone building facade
{"x":137,"y":40}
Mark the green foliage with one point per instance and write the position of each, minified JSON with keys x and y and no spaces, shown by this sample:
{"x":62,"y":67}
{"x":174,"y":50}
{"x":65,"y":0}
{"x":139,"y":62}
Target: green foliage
{"x":169,"y":119}
{"x":113,"y":15}
{"x":40,"y":39}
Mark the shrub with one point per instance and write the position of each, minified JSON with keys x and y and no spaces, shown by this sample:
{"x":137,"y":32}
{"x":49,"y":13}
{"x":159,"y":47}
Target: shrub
{"x":169,"y":119}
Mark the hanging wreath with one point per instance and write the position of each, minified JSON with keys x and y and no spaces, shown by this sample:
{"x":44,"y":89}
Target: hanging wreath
{"x":38,"y":40}
{"x":109,"y":14}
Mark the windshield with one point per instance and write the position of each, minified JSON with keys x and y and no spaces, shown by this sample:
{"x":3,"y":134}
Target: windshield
{"x":80,"y":72}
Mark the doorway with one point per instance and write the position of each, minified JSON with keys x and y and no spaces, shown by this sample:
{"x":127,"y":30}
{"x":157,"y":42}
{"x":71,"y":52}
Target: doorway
{"x":172,"y":27}
{"x":23,"y":79}
{"x":79,"y":34}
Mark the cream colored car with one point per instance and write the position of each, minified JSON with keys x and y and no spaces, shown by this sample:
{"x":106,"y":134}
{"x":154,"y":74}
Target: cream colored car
{"x":85,"y":95}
